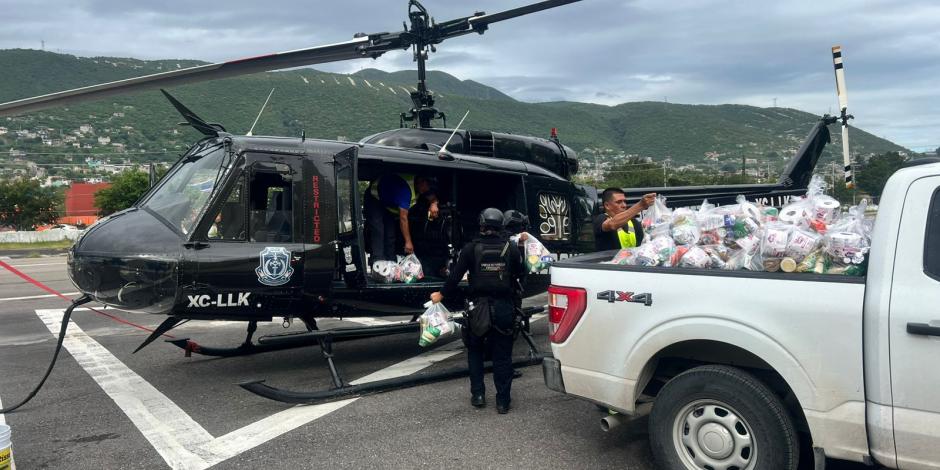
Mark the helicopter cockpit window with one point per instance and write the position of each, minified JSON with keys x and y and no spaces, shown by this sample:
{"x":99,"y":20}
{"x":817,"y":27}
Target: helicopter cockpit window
{"x":183,"y":196}
{"x":270,"y":203}
{"x":229,"y":221}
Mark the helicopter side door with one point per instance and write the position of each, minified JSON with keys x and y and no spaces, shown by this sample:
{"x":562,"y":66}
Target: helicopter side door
{"x":350,"y":259}
{"x":250,"y":251}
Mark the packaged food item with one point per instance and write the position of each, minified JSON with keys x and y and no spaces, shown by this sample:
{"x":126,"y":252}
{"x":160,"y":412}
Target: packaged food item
{"x":788,"y":265}
{"x":809,"y":261}
{"x":774,"y":242}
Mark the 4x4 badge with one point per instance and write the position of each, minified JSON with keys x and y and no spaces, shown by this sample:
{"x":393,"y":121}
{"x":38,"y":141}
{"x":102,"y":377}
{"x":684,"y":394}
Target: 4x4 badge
{"x":621,"y":296}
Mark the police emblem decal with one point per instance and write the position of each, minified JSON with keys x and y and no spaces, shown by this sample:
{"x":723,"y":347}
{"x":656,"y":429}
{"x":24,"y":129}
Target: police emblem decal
{"x":274,"y":269}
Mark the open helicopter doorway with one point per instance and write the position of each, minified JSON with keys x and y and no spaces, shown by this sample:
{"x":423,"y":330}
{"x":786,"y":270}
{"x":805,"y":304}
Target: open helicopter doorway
{"x":461,"y":195}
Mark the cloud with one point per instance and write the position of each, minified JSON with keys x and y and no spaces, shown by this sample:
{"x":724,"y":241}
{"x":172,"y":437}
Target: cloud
{"x":602,"y":51}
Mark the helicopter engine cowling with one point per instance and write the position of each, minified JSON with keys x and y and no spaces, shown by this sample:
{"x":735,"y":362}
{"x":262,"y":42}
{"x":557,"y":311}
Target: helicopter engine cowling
{"x":128,"y":261}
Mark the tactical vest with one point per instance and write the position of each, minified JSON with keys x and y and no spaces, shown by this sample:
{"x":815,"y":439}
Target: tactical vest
{"x":490,"y":275}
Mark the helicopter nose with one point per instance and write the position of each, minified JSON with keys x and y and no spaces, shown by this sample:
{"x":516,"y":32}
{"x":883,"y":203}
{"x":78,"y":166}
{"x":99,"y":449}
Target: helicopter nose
{"x":129,"y":261}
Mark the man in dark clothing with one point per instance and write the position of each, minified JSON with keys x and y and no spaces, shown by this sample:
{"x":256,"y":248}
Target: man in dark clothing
{"x":618,"y":227}
{"x":495,"y":266}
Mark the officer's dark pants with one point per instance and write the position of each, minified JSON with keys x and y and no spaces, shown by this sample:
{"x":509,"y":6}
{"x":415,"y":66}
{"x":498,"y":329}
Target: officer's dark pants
{"x":499,"y":347}
{"x":383,"y":229}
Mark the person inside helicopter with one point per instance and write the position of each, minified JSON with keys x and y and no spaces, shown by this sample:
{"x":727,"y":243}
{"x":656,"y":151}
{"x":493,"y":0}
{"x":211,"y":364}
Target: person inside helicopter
{"x":432,"y":231}
{"x":387,"y":201}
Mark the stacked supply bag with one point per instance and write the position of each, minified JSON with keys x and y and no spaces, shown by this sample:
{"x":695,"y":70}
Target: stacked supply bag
{"x":811,"y":234}
{"x":407,"y":270}
{"x":537,"y":257}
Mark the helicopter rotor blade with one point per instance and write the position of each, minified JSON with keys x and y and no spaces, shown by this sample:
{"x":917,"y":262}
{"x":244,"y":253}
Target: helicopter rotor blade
{"x":361,"y":47}
{"x":516,"y":12}
{"x":281,"y":60}
{"x":480,"y":22}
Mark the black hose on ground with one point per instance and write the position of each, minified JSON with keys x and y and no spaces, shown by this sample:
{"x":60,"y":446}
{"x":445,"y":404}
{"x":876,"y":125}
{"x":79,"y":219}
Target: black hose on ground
{"x":65,"y":324}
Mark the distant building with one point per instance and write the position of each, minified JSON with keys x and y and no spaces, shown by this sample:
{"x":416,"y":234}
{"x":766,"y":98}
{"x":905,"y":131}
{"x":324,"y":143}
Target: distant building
{"x":104,"y":140}
{"x":80,"y":206}
{"x":3,"y":130}
{"x":86,"y":129}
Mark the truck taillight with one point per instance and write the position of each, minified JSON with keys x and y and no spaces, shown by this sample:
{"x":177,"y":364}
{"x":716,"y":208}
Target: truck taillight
{"x":565,"y":307}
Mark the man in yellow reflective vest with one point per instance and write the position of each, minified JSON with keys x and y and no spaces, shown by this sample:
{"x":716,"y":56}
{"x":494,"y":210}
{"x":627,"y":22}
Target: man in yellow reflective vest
{"x":387,"y":202}
{"x":618,"y":227}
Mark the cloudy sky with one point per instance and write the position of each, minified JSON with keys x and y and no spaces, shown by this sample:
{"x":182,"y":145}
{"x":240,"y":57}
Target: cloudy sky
{"x":600,"y":51}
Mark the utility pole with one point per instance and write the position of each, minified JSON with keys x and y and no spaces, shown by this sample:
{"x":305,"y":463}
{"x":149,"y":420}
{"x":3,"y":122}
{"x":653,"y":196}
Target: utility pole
{"x":743,"y":163}
{"x":664,"y":174}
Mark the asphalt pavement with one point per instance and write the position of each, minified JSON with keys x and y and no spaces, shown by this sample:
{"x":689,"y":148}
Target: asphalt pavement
{"x":104,"y":407}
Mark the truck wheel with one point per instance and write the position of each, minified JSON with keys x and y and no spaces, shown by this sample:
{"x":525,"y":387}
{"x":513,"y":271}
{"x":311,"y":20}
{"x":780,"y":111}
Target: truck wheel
{"x":721,"y":418}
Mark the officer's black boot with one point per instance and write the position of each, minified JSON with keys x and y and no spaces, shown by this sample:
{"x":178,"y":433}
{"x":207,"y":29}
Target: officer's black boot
{"x":478,"y":401}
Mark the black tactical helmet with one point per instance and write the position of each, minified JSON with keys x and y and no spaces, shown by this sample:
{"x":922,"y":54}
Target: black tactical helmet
{"x":491,"y":218}
{"x":515,"y":221}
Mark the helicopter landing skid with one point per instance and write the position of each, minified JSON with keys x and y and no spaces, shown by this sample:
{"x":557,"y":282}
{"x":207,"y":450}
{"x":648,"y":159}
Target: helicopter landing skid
{"x":295,"y":340}
{"x":342,"y":390}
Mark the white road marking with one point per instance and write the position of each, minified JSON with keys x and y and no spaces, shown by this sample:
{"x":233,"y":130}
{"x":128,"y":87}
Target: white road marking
{"x":180,"y":440}
{"x":30,"y":297}
{"x":369,"y":321}
{"x":37,"y":264}
{"x":171,"y":432}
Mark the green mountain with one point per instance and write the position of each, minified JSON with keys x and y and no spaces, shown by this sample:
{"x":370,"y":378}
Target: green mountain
{"x":328,"y":105}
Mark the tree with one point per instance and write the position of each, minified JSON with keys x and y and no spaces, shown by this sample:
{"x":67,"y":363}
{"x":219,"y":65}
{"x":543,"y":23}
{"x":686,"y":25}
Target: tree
{"x":126,"y":188}
{"x":24,"y":204}
{"x":872,"y":177}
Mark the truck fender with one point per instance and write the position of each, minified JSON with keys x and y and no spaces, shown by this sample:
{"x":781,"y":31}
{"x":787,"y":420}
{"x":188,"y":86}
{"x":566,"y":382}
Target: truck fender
{"x":721,"y":330}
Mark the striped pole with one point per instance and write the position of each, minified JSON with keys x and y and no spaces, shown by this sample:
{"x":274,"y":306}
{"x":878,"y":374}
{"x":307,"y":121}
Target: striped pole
{"x":843,"y":105}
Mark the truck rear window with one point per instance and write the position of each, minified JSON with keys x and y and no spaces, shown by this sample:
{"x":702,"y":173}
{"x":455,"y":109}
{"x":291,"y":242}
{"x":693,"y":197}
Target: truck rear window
{"x":932,"y":238}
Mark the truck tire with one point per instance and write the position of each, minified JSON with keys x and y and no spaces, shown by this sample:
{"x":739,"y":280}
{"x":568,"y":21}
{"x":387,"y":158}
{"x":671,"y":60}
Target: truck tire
{"x":721,"y":418}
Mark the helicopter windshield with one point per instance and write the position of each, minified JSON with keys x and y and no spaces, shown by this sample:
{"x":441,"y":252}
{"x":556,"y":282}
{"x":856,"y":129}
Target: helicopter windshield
{"x":184,"y":193}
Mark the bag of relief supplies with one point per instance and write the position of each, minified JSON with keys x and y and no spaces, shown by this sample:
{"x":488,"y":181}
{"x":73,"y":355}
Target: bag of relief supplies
{"x":410,"y":268}
{"x":537,"y":257}
{"x":657,"y":219}
{"x":685,"y":228}
{"x":386,"y":271}
{"x":435,"y":322}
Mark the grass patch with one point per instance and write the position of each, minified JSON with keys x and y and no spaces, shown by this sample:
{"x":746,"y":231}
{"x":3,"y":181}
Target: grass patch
{"x":59,"y":245}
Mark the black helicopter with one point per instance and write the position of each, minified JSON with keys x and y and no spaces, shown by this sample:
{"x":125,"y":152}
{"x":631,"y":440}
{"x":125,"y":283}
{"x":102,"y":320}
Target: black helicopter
{"x":250,"y":228}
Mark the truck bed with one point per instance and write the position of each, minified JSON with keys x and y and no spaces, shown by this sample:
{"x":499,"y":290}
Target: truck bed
{"x":801,"y":326}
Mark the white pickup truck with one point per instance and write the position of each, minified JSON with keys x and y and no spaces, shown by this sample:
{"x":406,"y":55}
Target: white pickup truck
{"x":745,"y":368}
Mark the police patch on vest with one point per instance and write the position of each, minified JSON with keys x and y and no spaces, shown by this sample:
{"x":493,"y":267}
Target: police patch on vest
{"x":492,"y":267}
{"x":274,"y":269}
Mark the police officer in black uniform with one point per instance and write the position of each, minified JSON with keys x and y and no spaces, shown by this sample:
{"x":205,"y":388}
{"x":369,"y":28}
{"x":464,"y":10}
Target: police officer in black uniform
{"x":495,"y":267}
